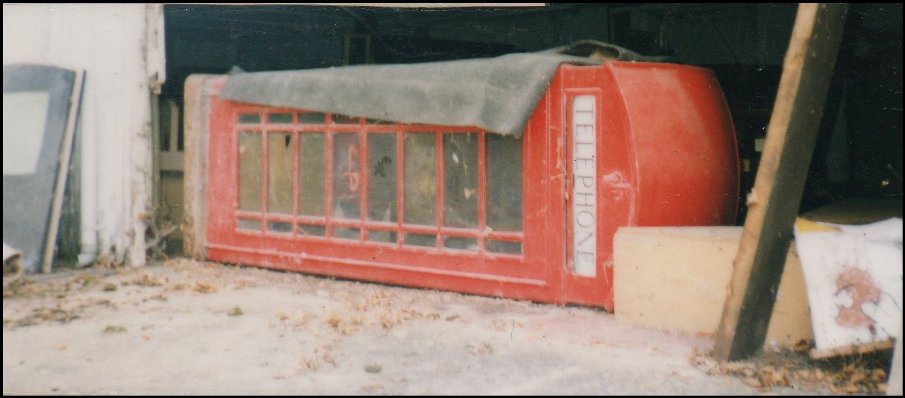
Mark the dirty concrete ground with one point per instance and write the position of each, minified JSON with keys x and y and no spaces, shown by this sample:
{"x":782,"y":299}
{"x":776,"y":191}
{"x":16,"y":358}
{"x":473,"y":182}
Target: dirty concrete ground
{"x":187,"y":327}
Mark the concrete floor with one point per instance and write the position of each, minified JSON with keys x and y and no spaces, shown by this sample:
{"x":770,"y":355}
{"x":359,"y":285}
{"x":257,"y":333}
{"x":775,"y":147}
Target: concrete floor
{"x":184,"y":327}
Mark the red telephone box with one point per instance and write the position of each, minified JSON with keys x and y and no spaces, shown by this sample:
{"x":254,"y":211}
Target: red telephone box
{"x":462,"y":209}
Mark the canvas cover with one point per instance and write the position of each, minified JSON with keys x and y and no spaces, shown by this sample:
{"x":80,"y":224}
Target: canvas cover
{"x":496,"y":94}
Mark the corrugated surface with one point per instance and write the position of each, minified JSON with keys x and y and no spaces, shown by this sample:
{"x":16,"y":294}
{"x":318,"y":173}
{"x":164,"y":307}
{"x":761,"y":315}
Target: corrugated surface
{"x":111,"y":42}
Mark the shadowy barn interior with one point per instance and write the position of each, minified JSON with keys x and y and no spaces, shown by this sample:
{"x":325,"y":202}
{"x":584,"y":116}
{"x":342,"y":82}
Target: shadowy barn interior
{"x":859,"y":150}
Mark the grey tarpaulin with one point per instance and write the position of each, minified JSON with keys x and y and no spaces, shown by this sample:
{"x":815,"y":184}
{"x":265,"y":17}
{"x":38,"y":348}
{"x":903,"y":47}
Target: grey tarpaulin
{"x":497,"y":94}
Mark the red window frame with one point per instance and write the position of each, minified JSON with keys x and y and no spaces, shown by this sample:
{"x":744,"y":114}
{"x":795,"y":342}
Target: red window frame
{"x":330,"y":129}
{"x":533,"y":274}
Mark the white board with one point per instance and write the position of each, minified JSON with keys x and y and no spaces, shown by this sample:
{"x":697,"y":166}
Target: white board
{"x":853,"y":275}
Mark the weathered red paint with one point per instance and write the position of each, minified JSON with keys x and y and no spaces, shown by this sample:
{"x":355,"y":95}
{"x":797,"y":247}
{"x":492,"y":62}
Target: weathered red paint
{"x":666,"y":154}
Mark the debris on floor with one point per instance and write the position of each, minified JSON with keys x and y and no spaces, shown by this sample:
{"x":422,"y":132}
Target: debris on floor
{"x":858,"y":374}
{"x":285,"y":330}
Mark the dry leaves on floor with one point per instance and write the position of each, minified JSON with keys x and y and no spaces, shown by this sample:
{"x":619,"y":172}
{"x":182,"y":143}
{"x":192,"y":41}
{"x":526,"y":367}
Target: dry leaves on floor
{"x":39,"y":315}
{"x":859,"y":374}
{"x":204,"y":288}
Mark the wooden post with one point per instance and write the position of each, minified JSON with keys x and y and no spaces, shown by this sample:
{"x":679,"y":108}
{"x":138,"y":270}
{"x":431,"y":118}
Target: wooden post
{"x":195,"y":122}
{"x":195,"y":119}
{"x":775,"y":199}
{"x":59,"y":189}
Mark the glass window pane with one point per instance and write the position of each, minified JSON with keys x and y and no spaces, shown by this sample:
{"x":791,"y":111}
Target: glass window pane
{"x":279,"y":173}
{"x":311,"y":118}
{"x":249,"y":171}
{"x":504,"y":182}
{"x":461,"y":243}
{"x":24,"y":120}
{"x":498,"y":246}
{"x":346,"y":176}
{"x":312,"y":188}
{"x":312,"y":230}
{"x":283,"y":227}
{"x":421,"y":240}
{"x":460,"y":180}
{"x":377,"y":121}
{"x":249,"y":118}
{"x":420,"y":178}
{"x":382,"y":236}
{"x":343,"y":119}
{"x":279,"y":118}
{"x":346,"y":233}
{"x":382,"y":177}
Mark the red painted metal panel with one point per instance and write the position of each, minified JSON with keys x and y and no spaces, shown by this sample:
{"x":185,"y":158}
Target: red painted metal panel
{"x":665,"y":155}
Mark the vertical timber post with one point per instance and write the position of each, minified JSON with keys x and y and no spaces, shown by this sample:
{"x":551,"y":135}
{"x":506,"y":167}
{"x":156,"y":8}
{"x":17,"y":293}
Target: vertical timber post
{"x":775,"y":199}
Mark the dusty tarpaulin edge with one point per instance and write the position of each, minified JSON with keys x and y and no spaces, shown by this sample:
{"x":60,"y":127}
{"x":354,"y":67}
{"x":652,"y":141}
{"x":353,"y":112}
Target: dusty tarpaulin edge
{"x":495,"y":94}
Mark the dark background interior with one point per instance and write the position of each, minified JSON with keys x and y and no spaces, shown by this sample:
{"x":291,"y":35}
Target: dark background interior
{"x":859,"y":148}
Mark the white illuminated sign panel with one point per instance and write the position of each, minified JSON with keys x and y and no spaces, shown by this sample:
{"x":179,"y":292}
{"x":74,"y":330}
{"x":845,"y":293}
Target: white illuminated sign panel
{"x":584,"y":185}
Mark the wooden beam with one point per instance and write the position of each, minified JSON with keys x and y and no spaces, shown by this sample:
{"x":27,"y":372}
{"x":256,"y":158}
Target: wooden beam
{"x":59,"y":189}
{"x":196,"y":114}
{"x":775,"y":199}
